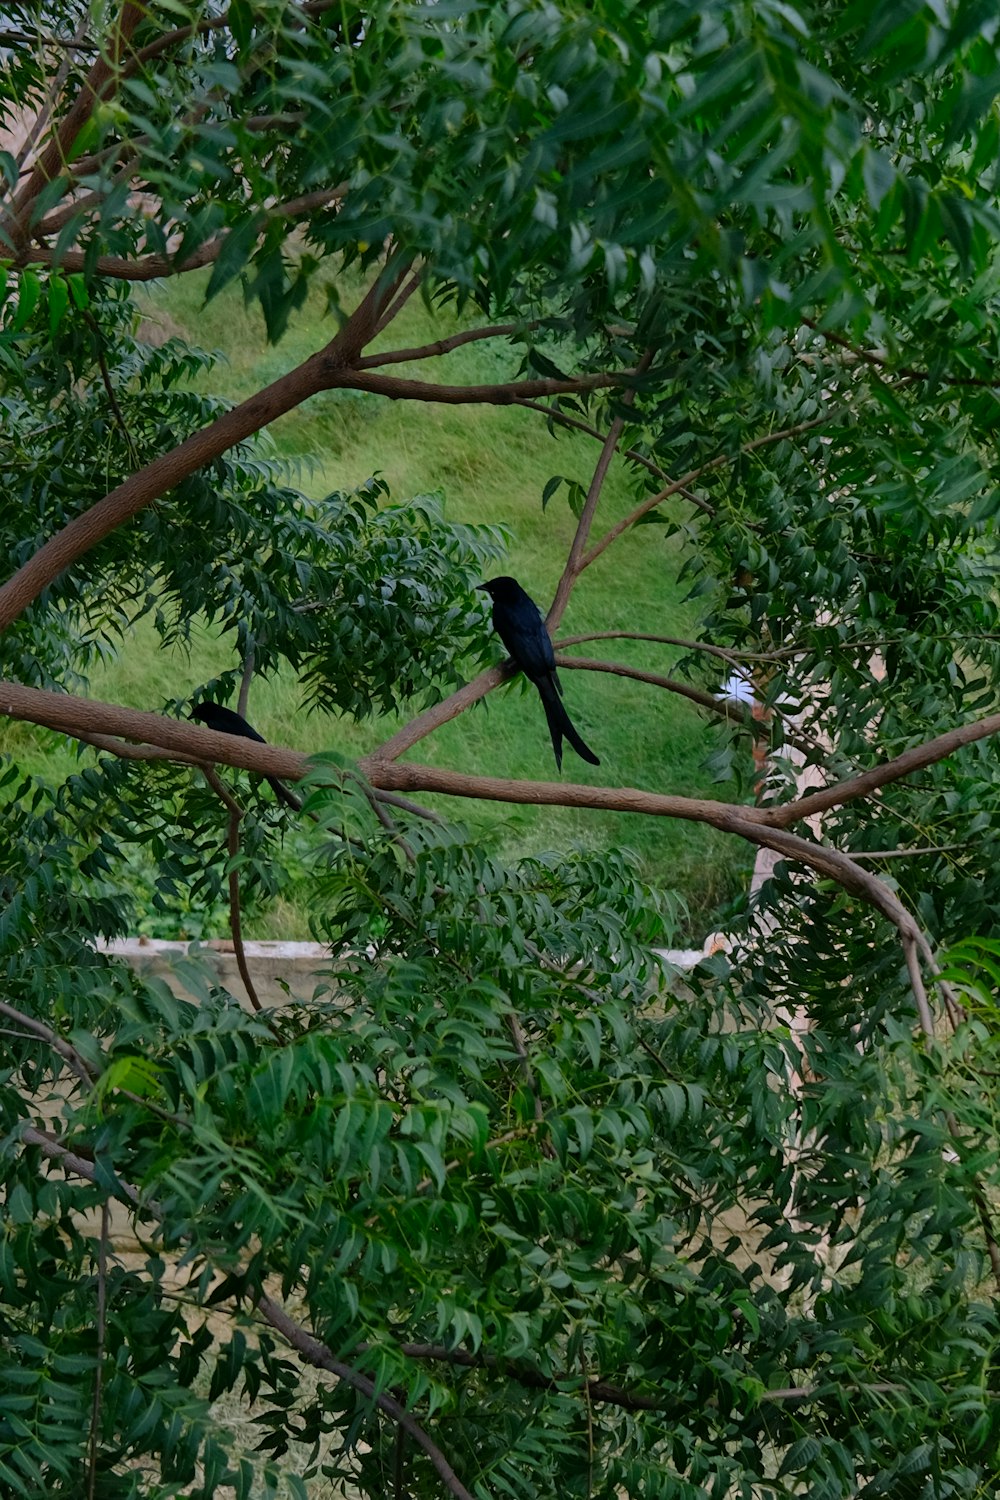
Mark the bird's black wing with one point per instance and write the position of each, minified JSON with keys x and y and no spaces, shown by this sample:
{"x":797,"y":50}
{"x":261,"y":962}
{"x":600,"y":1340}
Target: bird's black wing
{"x":227,"y":721}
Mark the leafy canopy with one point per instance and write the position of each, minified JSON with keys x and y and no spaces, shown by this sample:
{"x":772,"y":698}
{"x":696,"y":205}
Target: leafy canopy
{"x":505,"y":1208}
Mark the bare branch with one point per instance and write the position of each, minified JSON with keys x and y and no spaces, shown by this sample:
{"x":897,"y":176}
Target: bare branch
{"x":402,"y":297}
{"x":79,"y":1166}
{"x":249,"y":663}
{"x":909,"y":945}
{"x":599,"y":1390}
{"x":69,"y":1054}
{"x":48,"y":104}
{"x":317,"y":1354}
{"x":126,"y":751}
{"x":153,"y":267}
{"x":440,"y":713}
{"x":33,"y":39}
{"x":506,"y":393}
{"x":71,"y":715}
{"x":235,"y":921}
{"x":442,"y":346}
{"x":915,"y":759}
{"x":236,"y":813}
{"x":719,"y":462}
{"x":574,"y":562}
{"x":913,"y":853}
{"x":734,"y":658}
{"x":85,"y":166}
{"x":564,"y":418}
{"x":528,"y":1074}
{"x":716,"y":705}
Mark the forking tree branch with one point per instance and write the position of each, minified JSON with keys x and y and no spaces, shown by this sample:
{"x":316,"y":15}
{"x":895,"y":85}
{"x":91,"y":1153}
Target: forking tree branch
{"x":312,"y":1349}
{"x":764,"y":826}
{"x":333,"y":367}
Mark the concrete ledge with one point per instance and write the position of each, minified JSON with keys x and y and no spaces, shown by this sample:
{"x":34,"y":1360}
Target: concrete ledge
{"x":284,"y":970}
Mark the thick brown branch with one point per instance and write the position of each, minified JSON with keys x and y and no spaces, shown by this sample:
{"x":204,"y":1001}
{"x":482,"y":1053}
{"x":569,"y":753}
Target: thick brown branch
{"x":85,"y":717}
{"x":71,"y":715}
{"x":322,"y":371}
{"x":153,"y":267}
{"x":916,"y":759}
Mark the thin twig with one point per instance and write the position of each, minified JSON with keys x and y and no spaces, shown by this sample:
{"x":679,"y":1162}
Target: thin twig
{"x":441,"y":346}
{"x":43,"y":114}
{"x":109,"y":388}
{"x":733,"y":658}
{"x":249,"y":661}
{"x":392,"y":799}
{"x":102,"y":1293}
{"x":905,"y":372}
{"x":235,"y":923}
{"x":908,"y":941}
{"x":719,"y":462}
{"x":125,"y":751}
{"x":564,"y":418}
{"x":233,"y":848}
{"x":528,"y":1074}
{"x":906,"y":853}
{"x":100,"y":81}
{"x":153,"y":267}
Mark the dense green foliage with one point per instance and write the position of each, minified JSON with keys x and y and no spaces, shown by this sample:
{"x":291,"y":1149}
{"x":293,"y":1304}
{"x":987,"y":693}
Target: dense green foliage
{"x":545,"y":1217}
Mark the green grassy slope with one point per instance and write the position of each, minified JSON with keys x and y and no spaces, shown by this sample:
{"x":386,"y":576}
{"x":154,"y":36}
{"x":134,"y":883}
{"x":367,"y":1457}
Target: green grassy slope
{"x":491,"y":465}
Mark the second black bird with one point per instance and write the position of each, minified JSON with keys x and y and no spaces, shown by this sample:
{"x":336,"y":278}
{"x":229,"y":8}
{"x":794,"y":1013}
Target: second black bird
{"x":227,"y":721}
{"x":518,"y":622}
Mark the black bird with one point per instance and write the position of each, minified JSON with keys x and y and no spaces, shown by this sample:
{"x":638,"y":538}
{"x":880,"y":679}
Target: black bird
{"x":518,"y":622}
{"x":226,"y":721}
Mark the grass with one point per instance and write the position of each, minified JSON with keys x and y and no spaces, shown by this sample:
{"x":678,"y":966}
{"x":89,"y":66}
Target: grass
{"x":491,"y":465}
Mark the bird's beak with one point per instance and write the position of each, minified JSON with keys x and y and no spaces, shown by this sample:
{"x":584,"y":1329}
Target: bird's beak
{"x":482,"y":588}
